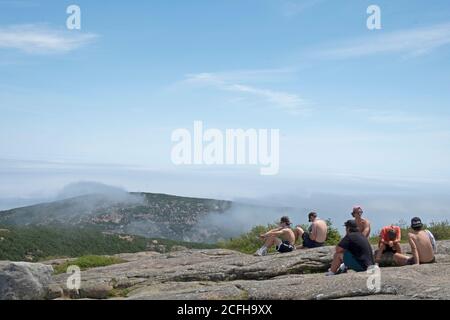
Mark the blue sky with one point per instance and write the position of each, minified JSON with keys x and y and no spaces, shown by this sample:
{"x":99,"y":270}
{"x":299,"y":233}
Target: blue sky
{"x":351,"y":104}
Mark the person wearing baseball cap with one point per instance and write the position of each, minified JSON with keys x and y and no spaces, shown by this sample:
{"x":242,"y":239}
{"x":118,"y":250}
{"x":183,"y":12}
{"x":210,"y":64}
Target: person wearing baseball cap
{"x":422,"y":246}
{"x":363,"y":224}
{"x":353,"y":251}
{"x":282,"y":237}
{"x":316,"y":235}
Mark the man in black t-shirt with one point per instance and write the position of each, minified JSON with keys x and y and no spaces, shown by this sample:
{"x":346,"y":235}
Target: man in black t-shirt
{"x":353,"y":252}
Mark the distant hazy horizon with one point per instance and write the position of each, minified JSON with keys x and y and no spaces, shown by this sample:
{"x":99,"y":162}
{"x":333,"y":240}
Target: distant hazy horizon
{"x":385,"y":201}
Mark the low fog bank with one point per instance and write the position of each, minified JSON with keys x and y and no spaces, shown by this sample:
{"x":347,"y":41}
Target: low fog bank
{"x":36,"y":181}
{"x":240,"y":218}
{"x":12,"y":203}
{"x":109,"y":193}
{"x":384,"y":201}
{"x":245,"y":213}
{"x":379,"y":209}
{"x":74,"y":204}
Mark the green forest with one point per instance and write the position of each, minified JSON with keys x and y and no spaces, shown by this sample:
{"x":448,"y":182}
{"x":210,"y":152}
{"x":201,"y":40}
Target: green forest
{"x":36,"y":243}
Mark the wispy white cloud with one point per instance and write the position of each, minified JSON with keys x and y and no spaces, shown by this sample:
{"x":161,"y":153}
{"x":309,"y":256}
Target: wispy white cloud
{"x":258,"y":75}
{"x":411,"y":42}
{"x":40,"y":39}
{"x":288,"y":102}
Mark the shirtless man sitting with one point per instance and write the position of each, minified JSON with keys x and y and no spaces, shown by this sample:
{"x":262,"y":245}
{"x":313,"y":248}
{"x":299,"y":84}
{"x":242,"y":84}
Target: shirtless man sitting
{"x":363,"y":224}
{"x":282,"y":237}
{"x":421,"y":246}
{"x":317,"y":234}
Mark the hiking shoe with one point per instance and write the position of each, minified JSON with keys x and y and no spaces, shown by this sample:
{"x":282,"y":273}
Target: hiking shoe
{"x":342,"y":269}
{"x":261,"y":252}
{"x":330,"y":273}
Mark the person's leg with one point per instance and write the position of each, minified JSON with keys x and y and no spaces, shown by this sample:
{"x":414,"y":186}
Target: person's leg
{"x":398,"y":248}
{"x":269,"y":242}
{"x":277,"y":242}
{"x":296,"y":234}
{"x":298,"y":231}
{"x":380,"y":251}
{"x":401,"y":259}
{"x":337,"y":261}
{"x":299,"y":235}
{"x":351,"y":263}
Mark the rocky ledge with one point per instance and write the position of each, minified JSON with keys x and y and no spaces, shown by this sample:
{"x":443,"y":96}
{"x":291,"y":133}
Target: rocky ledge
{"x":225,"y":274}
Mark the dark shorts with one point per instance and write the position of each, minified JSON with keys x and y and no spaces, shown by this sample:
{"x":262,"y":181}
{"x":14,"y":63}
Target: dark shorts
{"x":351,"y":262}
{"x":284,"y":247}
{"x":389,"y":249}
{"x":412,"y":261}
{"x":308,"y":243}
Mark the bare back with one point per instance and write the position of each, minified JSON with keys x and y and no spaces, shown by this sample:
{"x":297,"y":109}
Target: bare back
{"x":421,"y":241}
{"x":319,"y":230}
{"x":288,"y":235}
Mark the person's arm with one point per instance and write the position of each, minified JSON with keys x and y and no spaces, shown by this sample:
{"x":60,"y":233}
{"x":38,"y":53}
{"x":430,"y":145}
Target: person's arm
{"x":366,"y":231}
{"x":382,"y":236}
{"x":399,"y":236}
{"x":263,"y":235}
{"x":339,"y":249}
{"x":343,"y":245}
{"x":274,"y":232}
{"x":414,"y":250}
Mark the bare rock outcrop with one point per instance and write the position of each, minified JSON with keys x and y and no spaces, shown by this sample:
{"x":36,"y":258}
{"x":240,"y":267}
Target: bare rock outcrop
{"x":225,"y":274}
{"x":25,"y":281}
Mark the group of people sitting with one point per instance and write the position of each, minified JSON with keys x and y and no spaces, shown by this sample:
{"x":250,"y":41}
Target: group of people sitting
{"x":354,"y":250}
